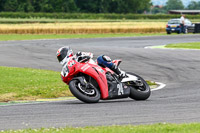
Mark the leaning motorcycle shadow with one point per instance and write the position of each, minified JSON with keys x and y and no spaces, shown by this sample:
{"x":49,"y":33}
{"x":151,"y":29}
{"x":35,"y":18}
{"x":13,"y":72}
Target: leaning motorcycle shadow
{"x":77,"y":102}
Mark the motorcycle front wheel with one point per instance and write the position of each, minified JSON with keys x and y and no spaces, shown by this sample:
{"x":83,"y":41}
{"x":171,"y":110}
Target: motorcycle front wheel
{"x":87,"y":94}
{"x":141,"y":92}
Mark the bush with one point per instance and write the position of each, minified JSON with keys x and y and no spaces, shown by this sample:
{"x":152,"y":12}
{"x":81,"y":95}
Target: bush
{"x":90,"y":16}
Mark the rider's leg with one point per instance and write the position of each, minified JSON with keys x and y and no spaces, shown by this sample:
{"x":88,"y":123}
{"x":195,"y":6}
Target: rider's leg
{"x":107,"y":62}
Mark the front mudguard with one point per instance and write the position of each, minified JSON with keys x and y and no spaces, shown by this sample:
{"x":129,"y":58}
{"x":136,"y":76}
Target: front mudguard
{"x":81,"y":79}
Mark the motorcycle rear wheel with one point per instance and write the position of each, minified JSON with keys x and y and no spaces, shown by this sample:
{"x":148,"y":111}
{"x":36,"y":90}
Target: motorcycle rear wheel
{"x":140,"y":92}
{"x":91,"y":95}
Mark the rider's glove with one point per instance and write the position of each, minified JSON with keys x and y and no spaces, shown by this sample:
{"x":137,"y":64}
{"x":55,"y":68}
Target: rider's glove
{"x":83,"y":56}
{"x":78,"y":54}
{"x":122,"y":74}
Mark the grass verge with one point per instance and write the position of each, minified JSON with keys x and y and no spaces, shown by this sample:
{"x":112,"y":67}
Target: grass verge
{"x":7,"y":37}
{"x":155,"y":128}
{"x":48,"y":20}
{"x":51,"y":20}
{"x":193,"y":45}
{"x":31,"y":84}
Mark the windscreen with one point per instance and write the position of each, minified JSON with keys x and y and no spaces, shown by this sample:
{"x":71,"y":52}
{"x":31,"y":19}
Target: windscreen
{"x":174,"y":22}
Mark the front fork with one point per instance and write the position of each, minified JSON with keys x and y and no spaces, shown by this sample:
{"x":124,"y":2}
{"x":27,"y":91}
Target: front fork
{"x":84,"y":86}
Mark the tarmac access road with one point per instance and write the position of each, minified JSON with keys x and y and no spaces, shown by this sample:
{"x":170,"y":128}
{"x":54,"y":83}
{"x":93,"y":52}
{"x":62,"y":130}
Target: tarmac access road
{"x":179,"y":69}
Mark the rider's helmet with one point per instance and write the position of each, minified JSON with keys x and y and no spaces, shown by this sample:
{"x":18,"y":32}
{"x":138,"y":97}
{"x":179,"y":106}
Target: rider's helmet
{"x":63,"y":54}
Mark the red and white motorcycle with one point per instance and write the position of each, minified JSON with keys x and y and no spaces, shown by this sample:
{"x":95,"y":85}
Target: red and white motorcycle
{"x":89,"y":82}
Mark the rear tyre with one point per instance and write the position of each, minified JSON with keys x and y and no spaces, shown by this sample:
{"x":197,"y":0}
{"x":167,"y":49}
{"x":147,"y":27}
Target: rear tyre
{"x":86,"y":94}
{"x":168,"y":32}
{"x":140,"y":92}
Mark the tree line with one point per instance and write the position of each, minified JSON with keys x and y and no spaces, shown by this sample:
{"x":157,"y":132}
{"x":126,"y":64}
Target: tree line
{"x":176,"y":5}
{"x":92,"y":6}
{"x":76,"y":6}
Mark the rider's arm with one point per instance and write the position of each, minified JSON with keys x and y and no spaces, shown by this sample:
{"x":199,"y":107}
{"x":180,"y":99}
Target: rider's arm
{"x":80,"y":56}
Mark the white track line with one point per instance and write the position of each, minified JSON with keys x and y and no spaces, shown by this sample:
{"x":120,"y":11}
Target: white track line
{"x":153,"y":47}
{"x":161,"y":86}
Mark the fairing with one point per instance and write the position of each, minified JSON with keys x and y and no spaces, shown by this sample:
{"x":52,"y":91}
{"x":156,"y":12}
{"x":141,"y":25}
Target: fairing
{"x":91,"y":69}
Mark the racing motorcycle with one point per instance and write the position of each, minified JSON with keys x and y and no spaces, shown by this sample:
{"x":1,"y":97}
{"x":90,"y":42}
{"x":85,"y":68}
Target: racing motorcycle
{"x":90,"y":82}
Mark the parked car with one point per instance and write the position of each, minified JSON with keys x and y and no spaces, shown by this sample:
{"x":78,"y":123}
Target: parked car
{"x":174,"y":25}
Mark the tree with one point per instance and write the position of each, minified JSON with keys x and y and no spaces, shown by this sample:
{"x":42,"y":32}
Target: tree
{"x":129,"y":6}
{"x":194,"y":5}
{"x":174,"y":5}
{"x":145,"y":5}
{"x":69,"y":6}
{"x":37,"y":5}
{"x":25,"y":6}
{"x":2,"y":5}
{"x":104,"y":6}
{"x":88,"y":6}
{"x":113,"y":6}
{"x":10,"y":5}
{"x":58,"y":6}
{"x":158,"y":10}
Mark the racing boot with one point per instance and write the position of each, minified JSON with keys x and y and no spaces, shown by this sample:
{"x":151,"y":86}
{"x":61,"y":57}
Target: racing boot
{"x":119,"y":72}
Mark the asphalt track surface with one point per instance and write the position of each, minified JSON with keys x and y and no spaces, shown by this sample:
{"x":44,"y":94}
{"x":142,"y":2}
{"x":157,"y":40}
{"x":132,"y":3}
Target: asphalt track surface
{"x":178,"y":102}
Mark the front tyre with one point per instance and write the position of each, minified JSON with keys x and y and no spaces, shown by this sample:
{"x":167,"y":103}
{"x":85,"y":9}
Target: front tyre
{"x":87,"y":94}
{"x":140,"y":92}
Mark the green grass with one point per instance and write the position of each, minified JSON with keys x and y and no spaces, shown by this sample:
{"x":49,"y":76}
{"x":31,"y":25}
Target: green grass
{"x":193,"y":45}
{"x":155,"y":128}
{"x":68,"y":36}
{"x":151,"y":83}
{"x":46,"y":20}
{"x":30,"y":84}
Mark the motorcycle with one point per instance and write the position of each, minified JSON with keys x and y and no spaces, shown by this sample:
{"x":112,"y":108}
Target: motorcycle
{"x":90,"y":82}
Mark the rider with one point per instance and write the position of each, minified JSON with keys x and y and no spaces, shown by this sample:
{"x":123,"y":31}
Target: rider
{"x":64,"y":54}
